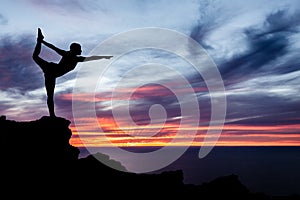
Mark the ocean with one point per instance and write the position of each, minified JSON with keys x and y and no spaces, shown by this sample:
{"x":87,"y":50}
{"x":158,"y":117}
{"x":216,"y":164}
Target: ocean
{"x":269,"y":170}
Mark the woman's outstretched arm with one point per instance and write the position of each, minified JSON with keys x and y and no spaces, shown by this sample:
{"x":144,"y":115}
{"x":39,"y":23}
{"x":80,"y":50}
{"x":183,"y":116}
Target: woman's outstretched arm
{"x":84,"y":59}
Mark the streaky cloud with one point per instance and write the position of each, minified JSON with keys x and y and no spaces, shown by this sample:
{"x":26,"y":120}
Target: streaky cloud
{"x":18,"y":71}
{"x":266,"y":43}
{"x":68,"y":5}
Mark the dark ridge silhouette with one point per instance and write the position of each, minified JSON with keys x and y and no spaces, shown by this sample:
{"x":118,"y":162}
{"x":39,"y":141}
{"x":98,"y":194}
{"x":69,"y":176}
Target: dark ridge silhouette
{"x":38,"y":162}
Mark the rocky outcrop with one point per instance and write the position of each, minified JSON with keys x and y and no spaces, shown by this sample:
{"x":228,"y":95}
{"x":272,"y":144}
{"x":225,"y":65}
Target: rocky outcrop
{"x":38,"y":162}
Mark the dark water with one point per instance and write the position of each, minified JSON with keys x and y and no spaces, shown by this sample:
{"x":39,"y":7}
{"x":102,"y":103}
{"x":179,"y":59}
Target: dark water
{"x":271,"y":170}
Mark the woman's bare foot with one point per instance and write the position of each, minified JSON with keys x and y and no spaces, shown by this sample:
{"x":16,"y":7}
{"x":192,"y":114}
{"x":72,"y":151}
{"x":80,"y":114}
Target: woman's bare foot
{"x":40,"y":35}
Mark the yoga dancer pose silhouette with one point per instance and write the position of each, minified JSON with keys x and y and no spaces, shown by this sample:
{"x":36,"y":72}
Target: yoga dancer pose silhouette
{"x":52,"y":70}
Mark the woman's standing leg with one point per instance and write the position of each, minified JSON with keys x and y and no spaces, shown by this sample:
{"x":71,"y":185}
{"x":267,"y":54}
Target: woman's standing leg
{"x":50,"y":86}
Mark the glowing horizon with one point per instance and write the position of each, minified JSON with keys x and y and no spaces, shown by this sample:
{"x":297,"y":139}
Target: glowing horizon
{"x":238,"y":137}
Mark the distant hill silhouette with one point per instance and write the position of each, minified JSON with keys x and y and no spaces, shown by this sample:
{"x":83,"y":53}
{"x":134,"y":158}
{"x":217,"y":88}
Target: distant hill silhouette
{"x":38,"y":162}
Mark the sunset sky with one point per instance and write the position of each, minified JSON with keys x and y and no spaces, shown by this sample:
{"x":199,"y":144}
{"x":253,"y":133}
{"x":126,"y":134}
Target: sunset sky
{"x":255,"y":46}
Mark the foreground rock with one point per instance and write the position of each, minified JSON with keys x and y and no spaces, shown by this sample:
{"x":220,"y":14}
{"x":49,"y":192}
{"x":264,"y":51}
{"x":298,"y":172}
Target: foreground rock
{"x":38,"y":161}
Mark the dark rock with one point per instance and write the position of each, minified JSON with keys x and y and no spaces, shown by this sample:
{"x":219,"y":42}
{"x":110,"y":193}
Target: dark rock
{"x":38,"y":161}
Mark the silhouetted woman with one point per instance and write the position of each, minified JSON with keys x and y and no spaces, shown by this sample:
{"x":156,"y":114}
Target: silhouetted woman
{"x":52,"y":70}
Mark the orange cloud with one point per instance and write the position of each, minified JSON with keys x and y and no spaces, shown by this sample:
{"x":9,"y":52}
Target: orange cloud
{"x":232,"y":135}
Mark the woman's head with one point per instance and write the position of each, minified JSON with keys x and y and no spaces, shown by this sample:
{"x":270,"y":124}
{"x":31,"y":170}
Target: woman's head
{"x":75,"y":48}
